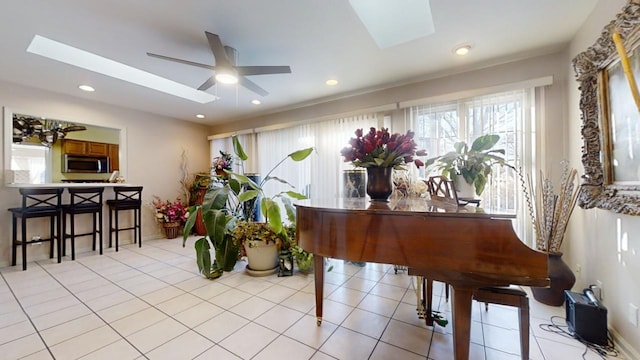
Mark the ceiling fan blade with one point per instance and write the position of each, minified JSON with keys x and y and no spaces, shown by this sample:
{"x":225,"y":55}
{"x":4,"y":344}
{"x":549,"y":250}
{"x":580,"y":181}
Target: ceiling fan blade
{"x":252,"y":86}
{"x":218,"y":50}
{"x":207,"y":84}
{"x":73,"y":128}
{"x":262,"y":70}
{"x":187,"y":62}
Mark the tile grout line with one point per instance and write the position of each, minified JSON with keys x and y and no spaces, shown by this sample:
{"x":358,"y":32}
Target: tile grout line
{"x":94,"y":312}
{"x":28,"y":317}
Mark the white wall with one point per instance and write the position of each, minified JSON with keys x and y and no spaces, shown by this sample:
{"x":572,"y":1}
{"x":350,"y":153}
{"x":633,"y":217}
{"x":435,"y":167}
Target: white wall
{"x":153,"y":146}
{"x":595,"y":237}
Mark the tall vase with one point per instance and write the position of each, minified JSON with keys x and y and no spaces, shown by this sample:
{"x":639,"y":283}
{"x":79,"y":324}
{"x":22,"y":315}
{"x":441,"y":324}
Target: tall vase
{"x":199,"y":224}
{"x":561,"y":278}
{"x":379,"y":183}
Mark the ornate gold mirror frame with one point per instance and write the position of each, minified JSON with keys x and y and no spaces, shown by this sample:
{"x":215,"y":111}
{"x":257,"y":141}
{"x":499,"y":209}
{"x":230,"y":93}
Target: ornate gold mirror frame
{"x":598,"y":71}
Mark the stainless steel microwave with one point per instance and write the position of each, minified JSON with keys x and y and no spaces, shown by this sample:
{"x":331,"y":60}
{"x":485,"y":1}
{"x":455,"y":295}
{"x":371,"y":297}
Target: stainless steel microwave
{"x":85,"y":164}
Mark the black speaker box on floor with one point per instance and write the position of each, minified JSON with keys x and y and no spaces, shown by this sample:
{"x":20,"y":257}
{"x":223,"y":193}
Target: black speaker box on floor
{"x":586,"y":317}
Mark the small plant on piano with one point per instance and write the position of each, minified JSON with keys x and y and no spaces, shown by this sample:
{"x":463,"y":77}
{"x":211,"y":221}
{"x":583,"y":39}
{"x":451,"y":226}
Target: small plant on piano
{"x":473,"y":165}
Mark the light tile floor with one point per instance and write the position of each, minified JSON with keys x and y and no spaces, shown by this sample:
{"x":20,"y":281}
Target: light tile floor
{"x":150,"y":303}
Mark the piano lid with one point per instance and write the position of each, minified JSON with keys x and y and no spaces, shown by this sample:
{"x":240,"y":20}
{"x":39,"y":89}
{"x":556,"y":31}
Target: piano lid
{"x":402,"y":205}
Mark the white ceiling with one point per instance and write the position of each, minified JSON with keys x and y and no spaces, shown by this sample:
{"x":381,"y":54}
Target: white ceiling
{"x":318,"y":39}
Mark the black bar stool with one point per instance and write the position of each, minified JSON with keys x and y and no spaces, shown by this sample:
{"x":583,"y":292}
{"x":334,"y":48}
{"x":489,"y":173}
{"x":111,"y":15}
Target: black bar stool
{"x":36,"y":203}
{"x":82,"y":201}
{"x":126,"y":198}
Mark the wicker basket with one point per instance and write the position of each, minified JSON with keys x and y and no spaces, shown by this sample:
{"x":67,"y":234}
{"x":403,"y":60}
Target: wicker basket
{"x":171,"y":229}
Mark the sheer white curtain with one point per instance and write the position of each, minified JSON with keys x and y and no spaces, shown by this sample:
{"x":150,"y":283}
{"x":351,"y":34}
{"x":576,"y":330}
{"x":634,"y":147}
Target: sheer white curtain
{"x":320,"y":175}
{"x":275,"y":145}
{"x":249,"y":146}
{"x":329,"y":137}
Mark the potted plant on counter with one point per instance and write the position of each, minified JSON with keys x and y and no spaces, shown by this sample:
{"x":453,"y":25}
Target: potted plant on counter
{"x":232,"y":204}
{"x":470,"y":167}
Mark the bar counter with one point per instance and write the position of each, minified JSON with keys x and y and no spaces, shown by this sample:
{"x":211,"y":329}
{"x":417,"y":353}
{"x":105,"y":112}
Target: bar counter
{"x":68,"y":185}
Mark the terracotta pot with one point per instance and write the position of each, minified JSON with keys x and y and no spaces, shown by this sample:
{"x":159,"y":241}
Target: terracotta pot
{"x":199,"y":224}
{"x":379,"y":183}
{"x":561,"y":278}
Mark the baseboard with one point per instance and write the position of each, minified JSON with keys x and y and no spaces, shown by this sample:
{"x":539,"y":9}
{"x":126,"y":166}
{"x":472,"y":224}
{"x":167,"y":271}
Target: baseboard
{"x":625,"y":349}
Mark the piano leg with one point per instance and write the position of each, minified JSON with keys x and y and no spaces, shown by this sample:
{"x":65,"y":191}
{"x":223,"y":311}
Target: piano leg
{"x":318,"y":273}
{"x":461,"y":299}
{"x":427,"y":291}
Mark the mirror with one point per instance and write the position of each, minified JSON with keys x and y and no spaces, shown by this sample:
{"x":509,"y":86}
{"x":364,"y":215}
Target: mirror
{"x":610,"y":117}
{"x":40,"y":150}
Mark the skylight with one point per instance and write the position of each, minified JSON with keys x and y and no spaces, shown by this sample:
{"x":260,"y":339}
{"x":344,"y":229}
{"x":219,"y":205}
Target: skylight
{"x":83,"y":59}
{"x":392,"y":23}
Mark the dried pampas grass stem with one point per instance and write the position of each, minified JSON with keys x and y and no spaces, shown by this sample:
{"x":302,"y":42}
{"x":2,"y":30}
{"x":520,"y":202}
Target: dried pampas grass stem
{"x":550,"y":211}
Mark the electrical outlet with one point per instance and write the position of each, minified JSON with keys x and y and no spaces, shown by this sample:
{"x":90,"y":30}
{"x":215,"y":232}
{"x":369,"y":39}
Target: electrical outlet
{"x":633,"y":314}
{"x":601,"y":287}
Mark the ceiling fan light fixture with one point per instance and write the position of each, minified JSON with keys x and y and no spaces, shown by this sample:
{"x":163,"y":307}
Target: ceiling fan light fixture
{"x":227,"y":76}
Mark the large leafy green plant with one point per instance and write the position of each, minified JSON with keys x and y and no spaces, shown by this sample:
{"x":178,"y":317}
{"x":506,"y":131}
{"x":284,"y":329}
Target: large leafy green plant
{"x":235,"y":201}
{"x":474,"y":164}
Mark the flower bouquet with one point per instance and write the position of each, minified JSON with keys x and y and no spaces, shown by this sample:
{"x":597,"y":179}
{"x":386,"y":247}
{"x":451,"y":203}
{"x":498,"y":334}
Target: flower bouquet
{"x":379,"y":148}
{"x":380,"y":153}
{"x":171,"y":215}
{"x":221,"y":163}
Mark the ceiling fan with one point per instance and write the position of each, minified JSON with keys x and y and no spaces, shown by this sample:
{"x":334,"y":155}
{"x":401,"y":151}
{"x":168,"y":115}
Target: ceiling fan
{"x":226,"y":69}
{"x":47,"y":131}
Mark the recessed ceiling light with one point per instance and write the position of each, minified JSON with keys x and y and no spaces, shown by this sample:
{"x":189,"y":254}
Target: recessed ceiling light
{"x":86,"y":88}
{"x":256,"y":102}
{"x":200,"y":116}
{"x":83,"y":59}
{"x":331,"y":82}
{"x":462,"y":50}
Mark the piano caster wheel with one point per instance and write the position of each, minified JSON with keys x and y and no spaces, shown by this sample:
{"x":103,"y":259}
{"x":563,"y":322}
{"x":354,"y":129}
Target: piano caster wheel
{"x":318,"y":321}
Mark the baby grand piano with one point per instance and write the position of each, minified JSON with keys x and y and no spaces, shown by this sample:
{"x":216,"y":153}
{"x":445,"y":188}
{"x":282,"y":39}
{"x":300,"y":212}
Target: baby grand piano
{"x":463,"y":246}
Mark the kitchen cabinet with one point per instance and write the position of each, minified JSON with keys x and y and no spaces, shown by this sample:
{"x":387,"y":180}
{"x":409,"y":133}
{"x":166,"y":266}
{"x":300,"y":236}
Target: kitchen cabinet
{"x":74,"y":147}
{"x":114,"y":157}
{"x":96,"y":149}
{"x":87,"y":148}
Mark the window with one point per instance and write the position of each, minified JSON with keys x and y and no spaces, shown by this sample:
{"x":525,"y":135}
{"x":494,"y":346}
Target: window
{"x":32,"y":159}
{"x":439,"y":126}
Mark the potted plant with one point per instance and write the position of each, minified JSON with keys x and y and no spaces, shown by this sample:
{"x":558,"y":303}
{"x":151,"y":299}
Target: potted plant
{"x":170,"y":215}
{"x":303,"y":258}
{"x":233,"y":202}
{"x":261,"y":245}
{"x":470,"y":167}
